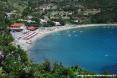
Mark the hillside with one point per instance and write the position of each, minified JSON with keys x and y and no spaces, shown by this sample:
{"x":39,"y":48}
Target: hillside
{"x":86,"y":11}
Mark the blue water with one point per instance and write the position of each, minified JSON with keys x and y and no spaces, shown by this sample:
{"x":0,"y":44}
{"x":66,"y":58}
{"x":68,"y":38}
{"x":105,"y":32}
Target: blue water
{"x":93,"y":48}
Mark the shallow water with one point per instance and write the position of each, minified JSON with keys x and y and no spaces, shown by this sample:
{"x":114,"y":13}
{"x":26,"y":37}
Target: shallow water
{"x":93,"y":48}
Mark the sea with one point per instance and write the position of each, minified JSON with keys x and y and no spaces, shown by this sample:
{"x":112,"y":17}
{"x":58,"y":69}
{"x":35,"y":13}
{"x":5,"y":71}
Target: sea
{"x":92,"y":48}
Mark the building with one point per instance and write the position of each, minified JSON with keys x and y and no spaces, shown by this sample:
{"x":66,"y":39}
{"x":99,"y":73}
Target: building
{"x":91,"y":11}
{"x":57,"y":23}
{"x":31,"y":28}
{"x":30,"y":21}
{"x":42,"y":21}
{"x":29,"y":17}
{"x":17,"y":27}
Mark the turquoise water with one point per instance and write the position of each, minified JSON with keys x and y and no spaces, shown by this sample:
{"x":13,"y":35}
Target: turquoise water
{"x":93,"y":48}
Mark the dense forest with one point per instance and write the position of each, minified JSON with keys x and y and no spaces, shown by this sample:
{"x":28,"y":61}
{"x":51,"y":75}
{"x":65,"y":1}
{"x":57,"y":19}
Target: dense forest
{"x":14,"y":62}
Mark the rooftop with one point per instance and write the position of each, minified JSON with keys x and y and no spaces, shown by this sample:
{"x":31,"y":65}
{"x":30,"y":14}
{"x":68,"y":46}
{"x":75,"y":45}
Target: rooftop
{"x":31,"y":28}
{"x":17,"y":24}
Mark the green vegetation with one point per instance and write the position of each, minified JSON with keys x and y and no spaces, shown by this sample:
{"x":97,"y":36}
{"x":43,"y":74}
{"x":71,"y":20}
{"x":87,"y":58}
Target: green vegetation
{"x":87,"y":11}
{"x":14,"y":62}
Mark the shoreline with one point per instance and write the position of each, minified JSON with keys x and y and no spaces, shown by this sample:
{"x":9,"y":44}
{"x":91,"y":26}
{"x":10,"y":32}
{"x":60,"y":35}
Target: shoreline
{"x":44,"y":31}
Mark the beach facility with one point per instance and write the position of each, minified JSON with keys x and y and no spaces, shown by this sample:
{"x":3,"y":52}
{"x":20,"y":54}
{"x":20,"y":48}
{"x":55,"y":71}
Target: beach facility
{"x":17,"y":27}
{"x":31,"y":28}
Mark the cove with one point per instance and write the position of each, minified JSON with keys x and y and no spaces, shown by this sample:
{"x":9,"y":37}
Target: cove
{"x":93,"y":48}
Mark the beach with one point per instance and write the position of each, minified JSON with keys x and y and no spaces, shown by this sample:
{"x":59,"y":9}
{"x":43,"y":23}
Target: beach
{"x":26,"y":40}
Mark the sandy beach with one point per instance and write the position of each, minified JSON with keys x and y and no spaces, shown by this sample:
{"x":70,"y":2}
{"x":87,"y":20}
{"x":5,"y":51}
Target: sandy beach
{"x":26,"y":42}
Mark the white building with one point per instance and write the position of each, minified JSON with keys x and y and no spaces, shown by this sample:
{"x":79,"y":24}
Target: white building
{"x":57,"y":23}
{"x":17,"y":26}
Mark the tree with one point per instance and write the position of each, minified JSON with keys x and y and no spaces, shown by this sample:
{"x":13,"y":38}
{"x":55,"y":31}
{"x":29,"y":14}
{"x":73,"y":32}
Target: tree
{"x":51,"y":23}
{"x":26,"y":11}
{"x":62,"y":22}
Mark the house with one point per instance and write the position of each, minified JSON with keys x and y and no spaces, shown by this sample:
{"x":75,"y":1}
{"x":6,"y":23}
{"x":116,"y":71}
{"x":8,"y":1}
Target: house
{"x":30,"y":21}
{"x":57,"y":23}
{"x":91,"y":11}
{"x":48,"y":7}
{"x":17,"y":26}
{"x":76,"y":21}
{"x":29,"y":17}
{"x":10,"y":14}
{"x":42,"y":21}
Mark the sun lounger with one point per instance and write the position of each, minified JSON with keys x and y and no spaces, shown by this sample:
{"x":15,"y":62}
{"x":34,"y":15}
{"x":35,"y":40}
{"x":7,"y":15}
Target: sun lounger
{"x":31,"y":36}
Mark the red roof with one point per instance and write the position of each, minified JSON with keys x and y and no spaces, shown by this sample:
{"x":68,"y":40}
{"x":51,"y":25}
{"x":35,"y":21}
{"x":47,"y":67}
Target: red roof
{"x":17,"y":24}
{"x":31,"y":28}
